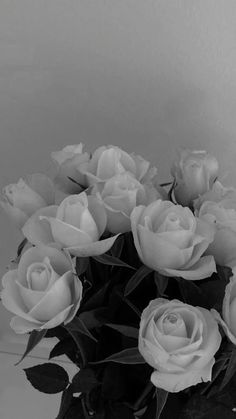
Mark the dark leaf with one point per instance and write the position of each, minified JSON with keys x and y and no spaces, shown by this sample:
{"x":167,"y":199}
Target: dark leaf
{"x":161,"y":396}
{"x":77,"y":325}
{"x":136,"y":279}
{"x":48,"y":378}
{"x":67,"y":397}
{"x":161,"y":282}
{"x":81,"y":265}
{"x":199,"y":407}
{"x":94,"y":318}
{"x":117,"y":247}
{"x":64,"y":346}
{"x":106,"y":259}
{"x":224,"y":273}
{"x":231,"y":369}
{"x":119,"y":411}
{"x":34,"y":338}
{"x":114,"y":383}
{"x":84,"y":381}
{"x":127,"y":356}
{"x":21,"y":247}
{"x":129,"y":331}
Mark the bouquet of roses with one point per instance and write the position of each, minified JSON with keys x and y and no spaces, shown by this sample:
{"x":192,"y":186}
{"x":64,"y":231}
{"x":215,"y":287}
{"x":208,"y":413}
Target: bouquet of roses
{"x":136,"y":280}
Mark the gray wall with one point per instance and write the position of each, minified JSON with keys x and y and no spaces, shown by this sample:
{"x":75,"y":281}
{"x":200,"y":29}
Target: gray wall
{"x":143,"y":74}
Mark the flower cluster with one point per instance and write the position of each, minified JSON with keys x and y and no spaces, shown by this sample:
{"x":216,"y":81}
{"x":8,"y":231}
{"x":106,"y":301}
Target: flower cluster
{"x":125,"y":272}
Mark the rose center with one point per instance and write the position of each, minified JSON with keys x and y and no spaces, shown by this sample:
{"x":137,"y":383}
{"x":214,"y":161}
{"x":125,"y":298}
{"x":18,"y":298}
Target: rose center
{"x":38,"y":277}
{"x":174,"y":325}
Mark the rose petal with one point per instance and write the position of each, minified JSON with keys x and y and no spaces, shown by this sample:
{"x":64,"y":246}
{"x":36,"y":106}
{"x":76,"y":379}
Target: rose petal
{"x":43,"y":185}
{"x":20,"y":325}
{"x":98,"y":213}
{"x":66,"y":234}
{"x":59,"y":261}
{"x":93,"y":249}
{"x":202,"y":269}
{"x":38,"y":231}
{"x":174,"y":383}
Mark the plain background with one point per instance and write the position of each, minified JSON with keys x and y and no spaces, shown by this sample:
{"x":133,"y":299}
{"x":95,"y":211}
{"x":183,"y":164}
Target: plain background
{"x":146,"y":75}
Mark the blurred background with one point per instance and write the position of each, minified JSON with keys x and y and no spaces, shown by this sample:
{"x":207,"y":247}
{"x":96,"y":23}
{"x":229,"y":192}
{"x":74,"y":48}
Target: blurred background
{"x":148,"y":76}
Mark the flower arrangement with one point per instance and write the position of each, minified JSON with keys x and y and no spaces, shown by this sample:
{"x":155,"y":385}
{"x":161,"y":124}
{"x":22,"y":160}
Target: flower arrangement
{"x":135,"y":279}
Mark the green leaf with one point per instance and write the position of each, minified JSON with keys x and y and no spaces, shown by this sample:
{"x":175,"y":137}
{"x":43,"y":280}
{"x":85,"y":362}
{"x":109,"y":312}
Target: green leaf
{"x":77,"y":325}
{"x":34,"y":338}
{"x":136,"y":279}
{"x":129,"y":331}
{"x":48,"y":378}
{"x":84,"y":381}
{"x":106,"y":259}
{"x":127,"y":356}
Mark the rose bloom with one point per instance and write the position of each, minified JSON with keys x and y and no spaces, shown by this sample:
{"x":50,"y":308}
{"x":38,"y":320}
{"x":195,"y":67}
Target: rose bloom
{"x":120,"y":195}
{"x":42,"y":292}
{"x":179,"y":341}
{"x":194,"y":172}
{"x":76,"y":225}
{"x":20,"y":200}
{"x":108,"y":161}
{"x":228,"y":322}
{"x":220,"y":212}
{"x":69,"y":161}
{"x":171,"y":240}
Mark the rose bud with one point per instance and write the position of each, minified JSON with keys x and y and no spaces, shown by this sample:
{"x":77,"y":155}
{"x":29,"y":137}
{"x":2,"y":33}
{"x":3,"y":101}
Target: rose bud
{"x":76,"y":225}
{"x":69,"y":160}
{"x":194,"y":172}
{"x":22,"y":199}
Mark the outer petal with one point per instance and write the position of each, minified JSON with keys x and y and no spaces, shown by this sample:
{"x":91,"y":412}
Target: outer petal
{"x":98,"y":213}
{"x":93,"y":249}
{"x":178,"y":382}
{"x":135,"y":216}
{"x":76,"y":292}
{"x":225,"y":327}
{"x":57,"y":299}
{"x":66,"y":234}
{"x":38,"y":231}
{"x":16,"y":215}
{"x":20,"y":325}
{"x":203,"y":268}
{"x":159,"y":253}
{"x":11,"y":298}
{"x":43,"y":185}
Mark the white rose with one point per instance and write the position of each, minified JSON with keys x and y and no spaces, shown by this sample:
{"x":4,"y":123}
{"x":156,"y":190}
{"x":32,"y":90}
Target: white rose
{"x":171,"y":240}
{"x":69,"y":161}
{"x":179,"y":341}
{"x":120,"y":195}
{"x":108,"y":161}
{"x":20,"y":200}
{"x":42,"y":292}
{"x":194,"y":172}
{"x":76,"y":225}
